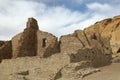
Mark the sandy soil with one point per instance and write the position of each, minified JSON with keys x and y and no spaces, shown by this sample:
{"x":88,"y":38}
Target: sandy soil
{"x":110,"y":72}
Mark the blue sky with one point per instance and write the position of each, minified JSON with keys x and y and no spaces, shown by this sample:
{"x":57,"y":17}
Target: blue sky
{"x":58,"y":17}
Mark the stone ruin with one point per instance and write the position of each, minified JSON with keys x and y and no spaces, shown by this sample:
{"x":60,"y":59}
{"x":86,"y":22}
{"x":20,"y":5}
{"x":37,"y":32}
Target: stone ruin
{"x":83,"y":45}
{"x":33,"y":42}
{"x":37,"y":55}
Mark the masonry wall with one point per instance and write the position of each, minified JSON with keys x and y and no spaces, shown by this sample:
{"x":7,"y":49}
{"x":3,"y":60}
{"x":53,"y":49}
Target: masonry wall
{"x":15,"y":45}
{"x":25,"y":44}
{"x":93,"y":55}
{"x":47,"y":44}
{"x":6,"y":50}
{"x":70,"y":44}
{"x":33,"y":42}
{"x":28,"y":44}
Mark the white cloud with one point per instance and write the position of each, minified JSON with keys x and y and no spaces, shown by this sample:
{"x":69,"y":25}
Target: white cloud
{"x":96,"y":12}
{"x":80,"y":25}
{"x":14,"y":15}
{"x":98,"y":6}
{"x":58,"y":17}
{"x":58,"y":20}
{"x":106,"y":9}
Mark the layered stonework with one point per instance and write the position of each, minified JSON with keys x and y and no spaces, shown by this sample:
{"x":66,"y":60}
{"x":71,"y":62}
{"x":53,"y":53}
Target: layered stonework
{"x":6,"y":50}
{"x":47,"y":44}
{"x":25,"y":44}
{"x":33,"y":42}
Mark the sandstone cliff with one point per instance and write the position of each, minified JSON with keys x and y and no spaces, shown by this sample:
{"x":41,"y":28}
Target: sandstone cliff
{"x":109,"y":28}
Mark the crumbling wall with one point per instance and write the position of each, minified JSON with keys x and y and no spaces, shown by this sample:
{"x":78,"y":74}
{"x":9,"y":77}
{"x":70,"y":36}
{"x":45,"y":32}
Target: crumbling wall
{"x":37,"y":67}
{"x":6,"y":50}
{"x":32,"y":42}
{"x":25,"y":44}
{"x":16,"y":45}
{"x":82,"y":45}
{"x":28,"y":43}
{"x":79,"y":40}
{"x":70,"y":44}
{"x":93,"y":55}
{"x":47,"y":44}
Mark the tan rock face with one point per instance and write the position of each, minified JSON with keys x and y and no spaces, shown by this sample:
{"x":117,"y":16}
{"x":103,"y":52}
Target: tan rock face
{"x":115,"y":41}
{"x":108,"y":28}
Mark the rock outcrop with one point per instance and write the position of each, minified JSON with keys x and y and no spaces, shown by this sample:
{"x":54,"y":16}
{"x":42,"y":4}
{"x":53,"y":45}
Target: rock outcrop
{"x":108,"y":28}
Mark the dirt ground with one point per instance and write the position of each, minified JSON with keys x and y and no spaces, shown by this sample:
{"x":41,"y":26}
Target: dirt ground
{"x":110,"y":72}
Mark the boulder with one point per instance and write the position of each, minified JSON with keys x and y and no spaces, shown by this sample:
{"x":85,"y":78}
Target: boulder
{"x":116,"y":59}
